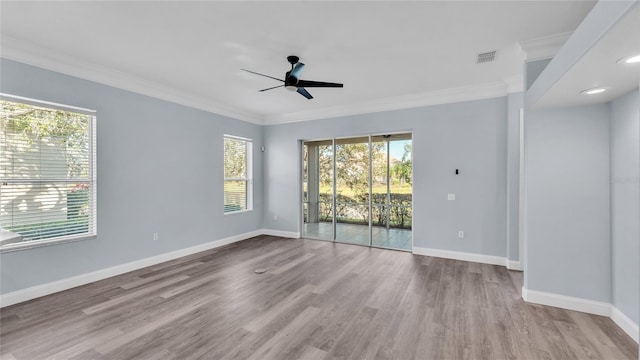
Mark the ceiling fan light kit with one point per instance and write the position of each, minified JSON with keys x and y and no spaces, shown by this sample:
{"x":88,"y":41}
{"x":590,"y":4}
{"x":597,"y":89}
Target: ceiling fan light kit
{"x":292,"y":79}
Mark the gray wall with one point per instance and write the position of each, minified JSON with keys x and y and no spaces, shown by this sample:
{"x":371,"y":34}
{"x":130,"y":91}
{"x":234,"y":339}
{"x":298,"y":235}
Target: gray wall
{"x":159,"y":170}
{"x":470,"y":136}
{"x":625,"y":203}
{"x":515,"y":103}
{"x":568,"y":225}
{"x":533,"y":69}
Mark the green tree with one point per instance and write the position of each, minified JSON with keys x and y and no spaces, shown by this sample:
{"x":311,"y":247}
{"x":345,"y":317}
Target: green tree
{"x":325,"y":163}
{"x":235,"y":155}
{"x":403,"y":170}
{"x":26,"y":124}
{"x":352,"y":165}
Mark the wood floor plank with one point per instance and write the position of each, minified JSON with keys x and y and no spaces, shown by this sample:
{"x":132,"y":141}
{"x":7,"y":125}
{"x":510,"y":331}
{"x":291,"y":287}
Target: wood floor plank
{"x":160,"y":275}
{"x":119,"y":341}
{"x":266,"y":317}
{"x":617,"y":336}
{"x":311,"y":353}
{"x":317,"y":300}
{"x":277,"y":345}
{"x":133,"y":295}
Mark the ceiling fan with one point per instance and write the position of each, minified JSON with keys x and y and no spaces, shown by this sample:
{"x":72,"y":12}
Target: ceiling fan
{"x":292,"y":79}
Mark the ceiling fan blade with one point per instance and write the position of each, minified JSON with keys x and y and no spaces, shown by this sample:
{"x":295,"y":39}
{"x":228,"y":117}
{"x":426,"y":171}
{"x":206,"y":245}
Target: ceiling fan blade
{"x":297,"y":71}
{"x":302,"y":91}
{"x":309,"y":83}
{"x":271,"y":88}
{"x":253,"y":72}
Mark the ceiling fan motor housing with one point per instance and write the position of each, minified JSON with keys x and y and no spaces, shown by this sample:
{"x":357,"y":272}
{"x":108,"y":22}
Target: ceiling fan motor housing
{"x":290,"y":82}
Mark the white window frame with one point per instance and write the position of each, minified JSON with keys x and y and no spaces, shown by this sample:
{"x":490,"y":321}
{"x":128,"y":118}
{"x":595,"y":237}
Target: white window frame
{"x":92,"y":178}
{"x":248,"y":179}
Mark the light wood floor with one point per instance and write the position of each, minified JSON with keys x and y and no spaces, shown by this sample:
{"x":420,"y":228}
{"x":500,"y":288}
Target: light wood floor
{"x":317,"y":300}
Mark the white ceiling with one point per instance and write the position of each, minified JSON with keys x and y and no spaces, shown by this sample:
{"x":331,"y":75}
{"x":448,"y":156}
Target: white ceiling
{"x":599,"y":67}
{"x":387,"y":54}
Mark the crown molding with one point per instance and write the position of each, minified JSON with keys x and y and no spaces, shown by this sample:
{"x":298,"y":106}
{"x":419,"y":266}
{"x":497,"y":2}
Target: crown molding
{"x":543,"y":47}
{"x":25,"y":52}
{"x":515,"y":83}
{"x":445,"y":96}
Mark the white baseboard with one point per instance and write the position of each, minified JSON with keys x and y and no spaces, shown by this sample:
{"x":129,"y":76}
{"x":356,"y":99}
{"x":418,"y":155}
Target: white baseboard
{"x":538,"y":297}
{"x":287,"y":234}
{"x":626,"y":324}
{"x":68,"y":283}
{"x":456,"y":255}
{"x":566,"y":302}
{"x":514,"y":265}
{"x":583,"y":305}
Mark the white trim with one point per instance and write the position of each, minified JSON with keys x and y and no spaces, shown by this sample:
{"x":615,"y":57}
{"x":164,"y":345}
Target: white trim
{"x":626,"y":324}
{"x":233,"y":137}
{"x":31,"y":54}
{"x":49,"y":104}
{"x":74,"y":281}
{"x":26,"y":245}
{"x":236,"y":212}
{"x":566,"y":302}
{"x":583,"y":305}
{"x":561,"y":301}
{"x":287,"y":234}
{"x":515,"y":83}
{"x":8,"y":237}
{"x":83,"y":279}
{"x":514,"y":265}
{"x":444,"y":96}
{"x":544,"y":47}
{"x":456,"y":255}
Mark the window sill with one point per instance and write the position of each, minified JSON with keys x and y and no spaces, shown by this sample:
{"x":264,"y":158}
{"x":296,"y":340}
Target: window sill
{"x":25,"y":245}
{"x":238,"y":212}
{"x":8,"y":237}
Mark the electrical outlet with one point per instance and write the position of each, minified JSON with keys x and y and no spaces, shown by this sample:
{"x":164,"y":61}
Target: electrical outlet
{"x":275,"y":217}
{"x":461,"y":234}
{"x":451,"y":196}
{"x":155,"y":236}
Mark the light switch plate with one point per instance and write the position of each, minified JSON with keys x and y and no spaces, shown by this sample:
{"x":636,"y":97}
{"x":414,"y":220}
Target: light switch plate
{"x":451,"y":196}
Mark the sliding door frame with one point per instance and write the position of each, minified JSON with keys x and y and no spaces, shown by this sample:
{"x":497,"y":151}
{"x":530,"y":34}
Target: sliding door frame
{"x":370,"y":180}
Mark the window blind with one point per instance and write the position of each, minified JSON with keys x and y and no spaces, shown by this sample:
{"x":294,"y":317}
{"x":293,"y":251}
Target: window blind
{"x":237,"y":174}
{"x":47,"y":171}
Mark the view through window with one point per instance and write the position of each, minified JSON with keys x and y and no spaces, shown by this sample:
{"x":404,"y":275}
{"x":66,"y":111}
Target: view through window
{"x":237,"y":174}
{"x":47,"y":172}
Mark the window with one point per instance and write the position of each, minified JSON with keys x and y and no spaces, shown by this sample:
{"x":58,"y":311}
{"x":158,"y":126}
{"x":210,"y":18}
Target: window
{"x":47,"y":172}
{"x":237,"y":174}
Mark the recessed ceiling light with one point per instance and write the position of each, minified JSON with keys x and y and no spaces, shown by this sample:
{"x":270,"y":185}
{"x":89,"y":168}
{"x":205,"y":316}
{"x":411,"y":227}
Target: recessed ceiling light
{"x":633,"y":59}
{"x":593,"y":91}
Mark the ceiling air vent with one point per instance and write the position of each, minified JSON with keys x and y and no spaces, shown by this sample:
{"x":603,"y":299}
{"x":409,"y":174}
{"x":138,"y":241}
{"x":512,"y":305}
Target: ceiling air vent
{"x":486,"y":57}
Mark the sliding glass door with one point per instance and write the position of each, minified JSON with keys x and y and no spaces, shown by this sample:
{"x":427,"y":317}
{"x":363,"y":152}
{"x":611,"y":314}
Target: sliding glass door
{"x":391,"y":191}
{"x":358,"y":190}
{"x":352,"y":190}
{"x":318,"y":190}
